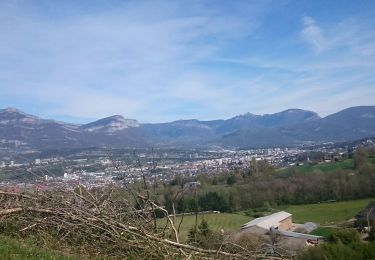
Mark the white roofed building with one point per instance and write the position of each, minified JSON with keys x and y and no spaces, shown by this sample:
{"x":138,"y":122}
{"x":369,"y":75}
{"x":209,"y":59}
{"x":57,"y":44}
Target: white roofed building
{"x":281,"y":220}
{"x":280,"y":224}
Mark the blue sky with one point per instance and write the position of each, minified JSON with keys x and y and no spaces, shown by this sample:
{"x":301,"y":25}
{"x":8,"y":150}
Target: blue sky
{"x":159,"y":61}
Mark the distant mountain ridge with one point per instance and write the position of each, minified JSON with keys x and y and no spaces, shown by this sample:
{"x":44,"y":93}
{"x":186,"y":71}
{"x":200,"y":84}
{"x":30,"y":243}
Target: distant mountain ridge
{"x":110,"y":124}
{"x":289,"y":127}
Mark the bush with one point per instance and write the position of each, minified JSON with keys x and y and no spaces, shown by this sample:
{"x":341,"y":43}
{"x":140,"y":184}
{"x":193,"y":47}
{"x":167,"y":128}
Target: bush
{"x":203,"y":236}
{"x":345,"y":236}
{"x":331,"y":251}
{"x":344,"y":244}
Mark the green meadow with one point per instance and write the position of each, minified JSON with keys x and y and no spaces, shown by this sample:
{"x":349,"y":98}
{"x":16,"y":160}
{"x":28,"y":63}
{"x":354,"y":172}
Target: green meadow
{"x":225,"y":221}
{"x":326,"y":213}
{"x":12,"y":249}
{"x":329,"y":213}
{"x":347,"y":165}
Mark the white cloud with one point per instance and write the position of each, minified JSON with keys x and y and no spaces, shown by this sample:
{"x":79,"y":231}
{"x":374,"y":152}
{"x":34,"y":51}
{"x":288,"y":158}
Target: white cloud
{"x":136,"y":51}
{"x":163,"y":60}
{"x":313,"y":34}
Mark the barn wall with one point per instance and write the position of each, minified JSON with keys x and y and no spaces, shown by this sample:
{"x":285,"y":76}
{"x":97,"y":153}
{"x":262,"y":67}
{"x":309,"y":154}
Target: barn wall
{"x":286,"y":224}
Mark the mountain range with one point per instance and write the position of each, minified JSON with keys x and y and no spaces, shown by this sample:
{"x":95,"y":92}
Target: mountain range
{"x":290,"y":127}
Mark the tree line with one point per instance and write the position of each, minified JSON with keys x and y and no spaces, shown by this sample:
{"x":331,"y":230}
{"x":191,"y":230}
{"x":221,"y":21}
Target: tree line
{"x":260,"y":184}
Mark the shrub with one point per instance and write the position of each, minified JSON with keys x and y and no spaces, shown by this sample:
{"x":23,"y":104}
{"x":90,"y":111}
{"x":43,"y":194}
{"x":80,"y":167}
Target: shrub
{"x":345,"y":236}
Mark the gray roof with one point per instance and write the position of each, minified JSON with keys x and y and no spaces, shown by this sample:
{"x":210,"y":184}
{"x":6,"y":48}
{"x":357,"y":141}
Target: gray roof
{"x":310,"y":226}
{"x":298,"y":235}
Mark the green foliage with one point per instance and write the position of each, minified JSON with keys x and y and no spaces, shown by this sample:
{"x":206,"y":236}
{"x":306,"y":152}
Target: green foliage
{"x":323,"y":231}
{"x":231,"y":179}
{"x":360,"y":157}
{"x":13,"y":249}
{"x":318,"y":168}
{"x":217,"y":222}
{"x":168,"y":202}
{"x":326,"y":213}
{"x":261,"y":211}
{"x":308,"y":184}
{"x":332,"y":251}
{"x":342,"y":244}
{"x":203,"y":236}
{"x":265,"y":168}
{"x":202,"y":230}
{"x":253,"y":170}
{"x":213,"y":201}
{"x":345,"y":236}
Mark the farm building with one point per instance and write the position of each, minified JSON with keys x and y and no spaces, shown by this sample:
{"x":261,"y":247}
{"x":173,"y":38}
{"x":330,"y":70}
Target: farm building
{"x":281,"y":220}
{"x":278,"y":228}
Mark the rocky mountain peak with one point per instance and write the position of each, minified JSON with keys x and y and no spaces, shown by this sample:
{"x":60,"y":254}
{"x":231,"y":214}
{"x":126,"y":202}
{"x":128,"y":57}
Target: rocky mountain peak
{"x":110,"y":124}
{"x":12,"y":115}
{"x":247,"y":115}
{"x":11,"y":110}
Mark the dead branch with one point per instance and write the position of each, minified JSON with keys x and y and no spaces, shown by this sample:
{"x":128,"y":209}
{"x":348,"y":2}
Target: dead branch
{"x":21,"y":195}
{"x":96,"y":220}
{"x":10,"y":211}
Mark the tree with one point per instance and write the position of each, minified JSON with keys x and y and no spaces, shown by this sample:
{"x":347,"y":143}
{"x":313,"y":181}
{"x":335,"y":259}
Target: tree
{"x":265,"y":168}
{"x":203,"y":235}
{"x":360,"y":157}
{"x":231,"y":179}
{"x":213,"y":201}
{"x":253,"y":167}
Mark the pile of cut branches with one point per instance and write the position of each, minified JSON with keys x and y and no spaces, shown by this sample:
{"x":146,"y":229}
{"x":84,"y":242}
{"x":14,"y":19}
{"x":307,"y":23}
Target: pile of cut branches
{"x":104,"y":223}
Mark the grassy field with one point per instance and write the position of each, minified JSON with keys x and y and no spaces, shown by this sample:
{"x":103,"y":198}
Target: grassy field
{"x":11,"y":249}
{"x":323,"y":231}
{"x":323,"y":167}
{"x":322,"y":213}
{"x":326,"y":213}
{"x":226,"y":221}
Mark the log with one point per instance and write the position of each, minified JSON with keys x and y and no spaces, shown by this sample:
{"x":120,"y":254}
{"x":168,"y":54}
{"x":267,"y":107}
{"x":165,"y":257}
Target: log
{"x":10,"y":211}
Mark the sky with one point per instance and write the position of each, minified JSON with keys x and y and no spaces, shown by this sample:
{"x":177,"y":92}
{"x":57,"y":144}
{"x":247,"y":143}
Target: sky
{"x":159,"y":61}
